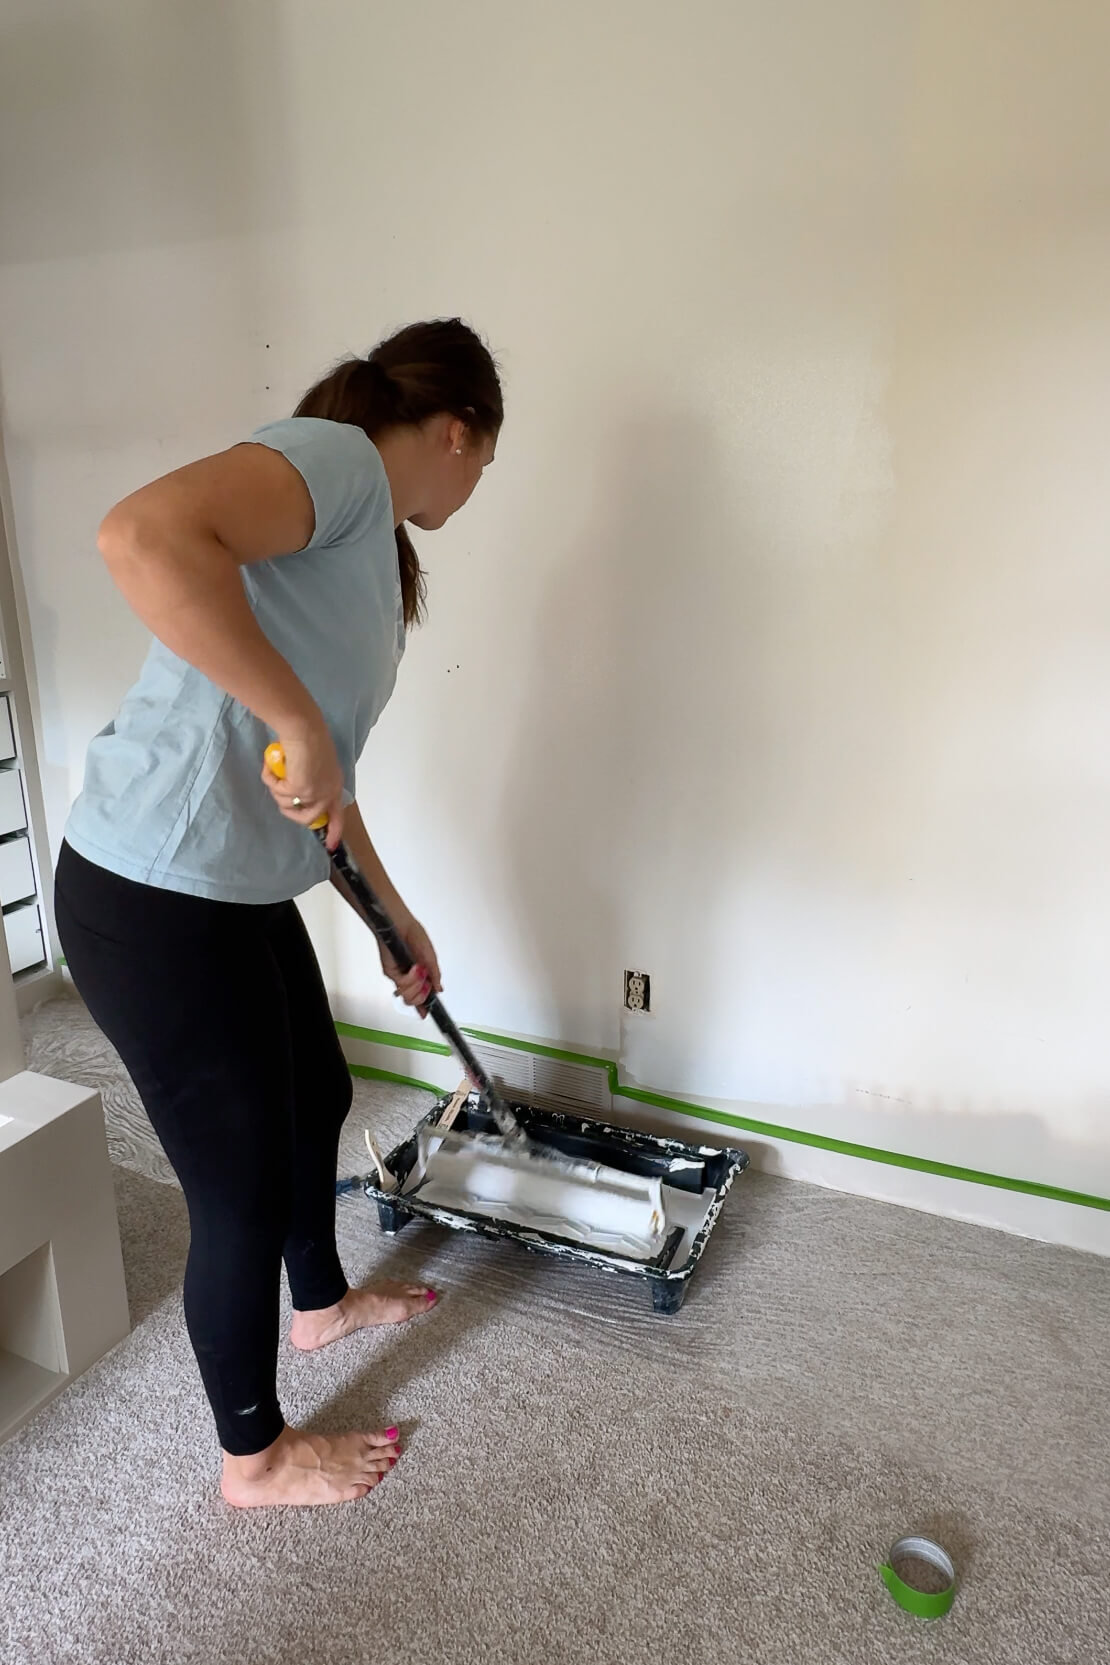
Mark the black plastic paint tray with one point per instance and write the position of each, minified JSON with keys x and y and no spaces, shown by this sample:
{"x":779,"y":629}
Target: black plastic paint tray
{"x":696,"y":1179}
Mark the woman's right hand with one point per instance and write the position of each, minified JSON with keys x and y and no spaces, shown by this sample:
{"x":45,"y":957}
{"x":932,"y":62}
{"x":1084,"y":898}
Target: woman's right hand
{"x":313,"y":783}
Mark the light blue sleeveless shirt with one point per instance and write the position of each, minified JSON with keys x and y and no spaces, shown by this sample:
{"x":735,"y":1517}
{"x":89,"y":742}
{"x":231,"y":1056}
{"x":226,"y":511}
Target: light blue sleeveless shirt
{"x":173,"y":795}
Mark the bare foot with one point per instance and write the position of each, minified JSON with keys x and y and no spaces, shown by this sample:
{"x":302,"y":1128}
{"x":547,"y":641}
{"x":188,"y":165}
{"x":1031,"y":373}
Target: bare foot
{"x":309,"y":1469}
{"x":384,"y":1303}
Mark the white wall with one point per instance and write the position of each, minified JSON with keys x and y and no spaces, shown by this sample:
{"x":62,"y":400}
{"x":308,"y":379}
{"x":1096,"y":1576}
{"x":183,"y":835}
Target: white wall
{"x":773,"y":656}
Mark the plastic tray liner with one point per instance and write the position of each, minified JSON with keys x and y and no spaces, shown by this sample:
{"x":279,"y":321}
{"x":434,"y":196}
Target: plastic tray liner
{"x":694,"y":1179}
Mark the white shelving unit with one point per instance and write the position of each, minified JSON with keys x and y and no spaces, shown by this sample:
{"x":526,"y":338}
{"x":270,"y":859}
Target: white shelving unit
{"x":63,"y":1301}
{"x":19,"y":886}
{"x":24,"y":862}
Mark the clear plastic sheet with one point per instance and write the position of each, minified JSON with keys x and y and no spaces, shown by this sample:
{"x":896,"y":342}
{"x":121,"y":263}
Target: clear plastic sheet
{"x":512,"y":1283}
{"x":818,"y":1306}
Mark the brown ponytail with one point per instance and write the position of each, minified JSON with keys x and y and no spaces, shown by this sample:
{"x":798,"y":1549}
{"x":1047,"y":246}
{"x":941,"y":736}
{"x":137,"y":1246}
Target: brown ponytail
{"x":422,"y":371}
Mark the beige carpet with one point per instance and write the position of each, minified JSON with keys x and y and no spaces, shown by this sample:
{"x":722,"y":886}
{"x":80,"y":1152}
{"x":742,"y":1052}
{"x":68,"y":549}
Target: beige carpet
{"x":583,"y":1482}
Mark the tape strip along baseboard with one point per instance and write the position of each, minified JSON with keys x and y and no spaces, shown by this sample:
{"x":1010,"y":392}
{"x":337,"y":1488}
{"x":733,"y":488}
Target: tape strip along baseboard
{"x":685,"y":1107}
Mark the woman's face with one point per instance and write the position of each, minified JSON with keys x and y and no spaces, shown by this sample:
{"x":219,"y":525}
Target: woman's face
{"x":456,"y":461}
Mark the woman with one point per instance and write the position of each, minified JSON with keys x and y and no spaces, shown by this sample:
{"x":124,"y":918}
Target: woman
{"x":278,"y":581}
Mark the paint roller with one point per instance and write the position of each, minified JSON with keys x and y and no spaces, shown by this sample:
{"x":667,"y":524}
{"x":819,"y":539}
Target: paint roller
{"x":511,"y":1177}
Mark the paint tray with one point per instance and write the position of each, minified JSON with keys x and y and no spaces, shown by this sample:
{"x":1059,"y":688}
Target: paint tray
{"x":695,"y":1180}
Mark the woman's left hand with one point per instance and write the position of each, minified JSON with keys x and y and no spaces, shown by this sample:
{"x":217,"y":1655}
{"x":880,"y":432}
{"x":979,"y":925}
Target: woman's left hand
{"x":415,"y":986}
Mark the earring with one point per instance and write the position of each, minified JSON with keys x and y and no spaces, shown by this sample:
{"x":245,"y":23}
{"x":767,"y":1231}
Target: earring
{"x":458,"y":451}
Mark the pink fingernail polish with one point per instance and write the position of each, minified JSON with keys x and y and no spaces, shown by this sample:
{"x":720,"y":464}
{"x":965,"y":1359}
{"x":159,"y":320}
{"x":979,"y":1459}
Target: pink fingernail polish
{"x":391,"y":1434}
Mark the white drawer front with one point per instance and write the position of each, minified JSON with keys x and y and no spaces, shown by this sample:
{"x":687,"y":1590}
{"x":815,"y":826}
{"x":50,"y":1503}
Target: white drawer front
{"x":7,"y":730}
{"x":13,"y":810}
{"x":23,"y":929}
{"x":17,"y":873}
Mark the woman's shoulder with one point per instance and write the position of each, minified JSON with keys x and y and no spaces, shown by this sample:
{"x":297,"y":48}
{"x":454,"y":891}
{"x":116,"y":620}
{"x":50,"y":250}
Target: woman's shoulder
{"x":317,"y":434}
{"x":341,"y":468}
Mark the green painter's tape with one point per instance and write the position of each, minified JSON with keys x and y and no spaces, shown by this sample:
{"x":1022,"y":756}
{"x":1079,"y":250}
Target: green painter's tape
{"x":869,"y":1153}
{"x":924,"y":1604}
{"x":538,"y":1050}
{"x":384,"y":1037}
{"x":745,"y":1124}
{"x":367,"y":1072}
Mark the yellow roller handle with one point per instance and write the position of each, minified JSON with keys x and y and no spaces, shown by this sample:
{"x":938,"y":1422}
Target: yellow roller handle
{"x":275,"y":762}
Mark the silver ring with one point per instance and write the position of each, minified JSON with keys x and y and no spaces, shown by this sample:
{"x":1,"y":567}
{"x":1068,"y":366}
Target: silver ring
{"x":298,"y":803}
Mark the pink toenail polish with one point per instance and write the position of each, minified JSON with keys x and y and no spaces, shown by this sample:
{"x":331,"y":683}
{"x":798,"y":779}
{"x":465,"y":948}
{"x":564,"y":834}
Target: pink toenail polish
{"x":392,"y":1462}
{"x":431,"y":1297}
{"x":391,"y":1434}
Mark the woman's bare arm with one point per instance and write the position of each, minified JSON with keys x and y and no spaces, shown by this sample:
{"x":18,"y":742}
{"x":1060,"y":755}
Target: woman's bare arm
{"x":174,"y":549}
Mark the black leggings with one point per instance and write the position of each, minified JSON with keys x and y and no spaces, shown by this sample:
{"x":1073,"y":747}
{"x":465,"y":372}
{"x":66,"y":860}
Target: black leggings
{"x":219,"y":1013}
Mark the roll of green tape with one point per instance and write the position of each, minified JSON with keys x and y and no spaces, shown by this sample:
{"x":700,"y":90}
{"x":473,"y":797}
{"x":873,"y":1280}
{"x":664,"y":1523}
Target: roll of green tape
{"x":925,"y":1604}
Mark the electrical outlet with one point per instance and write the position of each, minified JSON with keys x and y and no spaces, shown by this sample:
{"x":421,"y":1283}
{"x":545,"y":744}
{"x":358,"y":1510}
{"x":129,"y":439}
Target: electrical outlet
{"x":637,"y":991}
